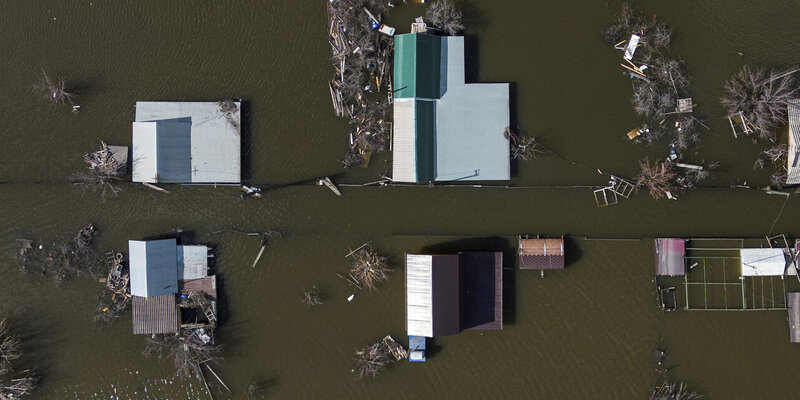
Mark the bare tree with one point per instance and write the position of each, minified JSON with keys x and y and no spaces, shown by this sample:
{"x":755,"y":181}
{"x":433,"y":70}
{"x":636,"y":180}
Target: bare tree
{"x":189,"y":351}
{"x":673,"y":391}
{"x":368,"y":268}
{"x":658,"y":178}
{"x":312,"y":297}
{"x":523,"y":147}
{"x":13,"y":385}
{"x":762,"y":96}
{"x":54,"y":91}
{"x":443,"y":15}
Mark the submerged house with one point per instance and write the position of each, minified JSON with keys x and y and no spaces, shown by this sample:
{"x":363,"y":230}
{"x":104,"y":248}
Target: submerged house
{"x":444,"y":128}
{"x":446,"y":294}
{"x":162,"y":273}
{"x":793,"y":154}
{"x":187,"y":142}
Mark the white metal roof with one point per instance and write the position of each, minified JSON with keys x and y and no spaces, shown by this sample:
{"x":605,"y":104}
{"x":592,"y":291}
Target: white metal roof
{"x":792,"y":155}
{"x":419,"y":295}
{"x":404,"y":152}
{"x":214,"y":147}
{"x":192,"y":262}
{"x":762,"y":262}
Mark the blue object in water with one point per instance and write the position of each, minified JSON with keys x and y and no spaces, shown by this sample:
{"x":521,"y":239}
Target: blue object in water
{"x":416,"y":349}
{"x":374,"y":25}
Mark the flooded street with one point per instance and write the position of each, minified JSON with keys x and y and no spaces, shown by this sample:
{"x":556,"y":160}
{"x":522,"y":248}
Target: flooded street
{"x":586,"y":332}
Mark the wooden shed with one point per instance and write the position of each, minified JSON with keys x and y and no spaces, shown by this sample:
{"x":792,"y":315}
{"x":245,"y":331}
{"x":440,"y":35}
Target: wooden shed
{"x":538,"y":253}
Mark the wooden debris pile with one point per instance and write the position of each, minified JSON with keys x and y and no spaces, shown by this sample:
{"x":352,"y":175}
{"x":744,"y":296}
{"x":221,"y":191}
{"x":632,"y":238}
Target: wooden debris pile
{"x":13,"y":384}
{"x":668,"y":179}
{"x":361,"y":89}
{"x":189,"y":350}
{"x":119,"y":288}
{"x":103,"y":171}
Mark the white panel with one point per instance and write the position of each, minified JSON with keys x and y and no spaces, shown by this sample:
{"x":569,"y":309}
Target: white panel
{"x":137,"y":263}
{"x":762,"y":262}
{"x":144,"y":152}
{"x":404,"y":149}
{"x":192,"y":262}
{"x":419,"y":295}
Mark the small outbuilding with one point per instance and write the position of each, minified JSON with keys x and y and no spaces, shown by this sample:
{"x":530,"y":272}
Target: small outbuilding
{"x":187,"y":142}
{"x":793,"y":308}
{"x":793,"y":153}
{"x":446,"y":294}
{"x":537,"y":253}
{"x":670,"y":254}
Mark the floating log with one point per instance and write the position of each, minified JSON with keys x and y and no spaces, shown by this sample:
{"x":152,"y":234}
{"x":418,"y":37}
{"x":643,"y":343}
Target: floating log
{"x":218,"y":378}
{"x":154,"y":187}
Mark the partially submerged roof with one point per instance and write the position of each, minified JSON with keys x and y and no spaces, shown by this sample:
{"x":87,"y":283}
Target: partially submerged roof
{"x":432,"y":295}
{"x":670,"y":257}
{"x":186,"y":142}
{"x":763,"y":262}
{"x":446,"y":294}
{"x":192,"y":262}
{"x":535,"y":253}
{"x":793,"y":308}
{"x":158,"y":314}
{"x":153,"y":267}
{"x":444,"y":128}
{"x":793,"y":153}
{"x":206,"y":285}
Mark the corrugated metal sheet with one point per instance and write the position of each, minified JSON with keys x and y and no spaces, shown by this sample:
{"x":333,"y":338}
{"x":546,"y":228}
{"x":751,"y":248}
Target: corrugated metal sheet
{"x":416,"y":65}
{"x":541,"y":253}
{"x":174,"y":151}
{"x":192,"y":262}
{"x":793,"y":308}
{"x":425,"y":126}
{"x":145,"y":153}
{"x":214,"y":144}
{"x":670,"y":257}
{"x":404,"y":150}
{"x":793,"y":154}
{"x":153,"y":267}
{"x":419,"y":295}
{"x":206,"y":285}
{"x":763,"y":262}
{"x":155,"y":315}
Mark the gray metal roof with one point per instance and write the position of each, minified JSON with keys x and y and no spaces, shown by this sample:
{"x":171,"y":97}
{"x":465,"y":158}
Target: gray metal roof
{"x":192,"y":262}
{"x":468,"y":129}
{"x":153,"y":267}
{"x":793,"y":154}
{"x":185,"y":142}
{"x":793,"y":308}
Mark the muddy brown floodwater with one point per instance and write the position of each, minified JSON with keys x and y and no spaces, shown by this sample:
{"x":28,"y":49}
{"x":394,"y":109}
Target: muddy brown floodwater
{"x":586,"y":332}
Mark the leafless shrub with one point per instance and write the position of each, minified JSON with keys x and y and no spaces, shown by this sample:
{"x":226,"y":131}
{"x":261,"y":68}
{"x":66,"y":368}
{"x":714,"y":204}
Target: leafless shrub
{"x":658,"y":178}
{"x":61,"y":260}
{"x":371,"y":360}
{"x":762,"y":96}
{"x":13,"y":385}
{"x":655,"y":35}
{"x":312,"y":297}
{"x":443,"y":15}
{"x":54,"y":91}
{"x":255,"y":390}
{"x":523,"y":146}
{"x":368,"y":268}
{"x":672,"y":391}
{"x":109,"y":310}
{"x":230,"y":110}
{"x":189,"y":351}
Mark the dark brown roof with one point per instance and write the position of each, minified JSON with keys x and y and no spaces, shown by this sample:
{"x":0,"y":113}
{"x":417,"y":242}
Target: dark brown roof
{"x":482,"y":290}
{"x":541,"y":253}
{"x":207,"y":285}
{"x":157,"y":314}
{"x":445,"y":295}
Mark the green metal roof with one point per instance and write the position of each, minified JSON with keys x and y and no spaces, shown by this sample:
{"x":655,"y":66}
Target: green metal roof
{"x":417,"y":58}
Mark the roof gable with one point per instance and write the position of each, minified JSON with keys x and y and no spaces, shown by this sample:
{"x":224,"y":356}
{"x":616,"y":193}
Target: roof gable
{"x":153,"y":267}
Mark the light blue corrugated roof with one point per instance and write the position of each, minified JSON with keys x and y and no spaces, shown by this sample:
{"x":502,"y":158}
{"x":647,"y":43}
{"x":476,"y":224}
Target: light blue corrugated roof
{"x":470,"y":120}
{"x":153,"y":267}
